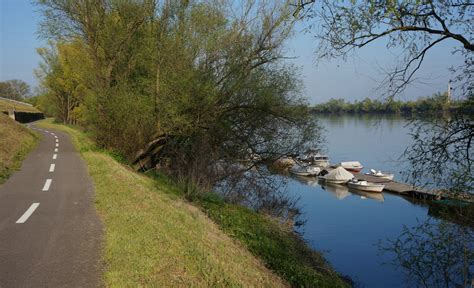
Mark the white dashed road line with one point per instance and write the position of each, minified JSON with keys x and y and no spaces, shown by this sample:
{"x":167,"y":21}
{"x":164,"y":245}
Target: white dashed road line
{"x":47,"y":184}
{"x":55,"y":149}
{"x":57,"y":140}
{"x":51,"y":167}
{"x":28,"y":213}
{"x":57,"y":144}
{"x":55,"y":156}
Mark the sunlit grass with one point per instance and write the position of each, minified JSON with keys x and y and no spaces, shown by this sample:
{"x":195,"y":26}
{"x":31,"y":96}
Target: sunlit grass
{"x":8,"y":105}
{"x":153,"y":238}
{"x":16,"y":142}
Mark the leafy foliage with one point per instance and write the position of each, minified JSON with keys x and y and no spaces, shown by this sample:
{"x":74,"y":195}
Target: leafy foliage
{"x":437,"y":103}
{"x":15,"y":89}
{"x":203,"y":79}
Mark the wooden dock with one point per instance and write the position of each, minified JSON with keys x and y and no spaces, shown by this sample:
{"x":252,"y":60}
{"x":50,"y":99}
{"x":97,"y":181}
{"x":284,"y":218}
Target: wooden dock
{"x":400,"y":188}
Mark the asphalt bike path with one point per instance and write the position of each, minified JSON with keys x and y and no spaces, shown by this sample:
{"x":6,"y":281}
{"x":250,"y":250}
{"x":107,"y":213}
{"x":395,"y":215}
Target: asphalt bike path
{"x":50,"y":234}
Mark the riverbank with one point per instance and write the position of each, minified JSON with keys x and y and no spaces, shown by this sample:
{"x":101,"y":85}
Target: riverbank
{"x":155,"y":237}
{"x":16,"y":142}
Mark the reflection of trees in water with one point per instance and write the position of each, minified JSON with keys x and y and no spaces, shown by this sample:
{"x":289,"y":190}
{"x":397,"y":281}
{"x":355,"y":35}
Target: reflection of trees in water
{"x":263,"y":192}
{"x":442,"y":153}
{"x":434,"y":254}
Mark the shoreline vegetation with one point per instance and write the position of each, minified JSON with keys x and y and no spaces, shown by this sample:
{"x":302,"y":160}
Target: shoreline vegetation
{"x":157,"y":235}
{"x":437,"y":103}
{"x":16,"y":142}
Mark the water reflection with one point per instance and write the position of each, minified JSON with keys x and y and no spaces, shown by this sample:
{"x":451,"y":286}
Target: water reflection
{"x":339,"y":191}
{"x":350,"y":229}
{"x":434,"y":254}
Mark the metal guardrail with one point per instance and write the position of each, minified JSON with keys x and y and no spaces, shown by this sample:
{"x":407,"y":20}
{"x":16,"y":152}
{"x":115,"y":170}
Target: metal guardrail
{"x":15,"y":101}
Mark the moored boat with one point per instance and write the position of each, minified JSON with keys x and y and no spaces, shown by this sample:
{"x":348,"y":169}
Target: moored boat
{"x":337,"y":176}
{"x":313,"y":157}
{"x":354,"y":166}
{"x":365,"y":186}
{"x":380,"y":174}
{"x":302,"y":170}
{"x":368,"y":195}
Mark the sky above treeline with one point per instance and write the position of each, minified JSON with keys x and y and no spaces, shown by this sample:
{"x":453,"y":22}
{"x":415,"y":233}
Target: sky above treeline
{"x":354,"y":79}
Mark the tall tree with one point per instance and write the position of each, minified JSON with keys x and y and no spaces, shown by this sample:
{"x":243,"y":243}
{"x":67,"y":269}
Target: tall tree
{"x":189,"y":84}
{"x":14,"y":89}
{"x":65,"y":74}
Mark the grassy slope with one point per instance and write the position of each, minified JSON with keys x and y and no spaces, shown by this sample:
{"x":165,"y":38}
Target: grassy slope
{"x":153,"y":238}
{"x":16,"y":142}
{"x":282,"y":251}
{"x":7,"y":105}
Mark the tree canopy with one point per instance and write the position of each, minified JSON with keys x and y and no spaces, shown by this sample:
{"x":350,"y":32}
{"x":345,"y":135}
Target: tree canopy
{"x":15,"y":89}
{"x":412,"y":27}
{"x":183,"y":85}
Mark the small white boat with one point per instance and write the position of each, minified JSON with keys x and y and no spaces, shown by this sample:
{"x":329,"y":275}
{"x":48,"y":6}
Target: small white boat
{"x":313,"y":157}
{"x":354,"y":166}
{"x":380,"y":174}
{"x":365,"y":186}
{"x":337,"y":176}
{"x":321,"y":160}
{"x":368,"y":195}
{"x":302,"y":170}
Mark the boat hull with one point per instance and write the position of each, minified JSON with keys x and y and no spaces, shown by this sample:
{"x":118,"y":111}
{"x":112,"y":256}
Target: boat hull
{"x":367,"y":188}
{"x":306,"y":174}
{"x":321,"y":163}
{"x":386,"y":177}
{"x":325,"y":180}
{"x":353,"y":169}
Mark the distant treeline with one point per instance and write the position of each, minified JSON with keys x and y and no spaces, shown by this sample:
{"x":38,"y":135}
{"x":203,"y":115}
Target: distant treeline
{"x":439,"y":102}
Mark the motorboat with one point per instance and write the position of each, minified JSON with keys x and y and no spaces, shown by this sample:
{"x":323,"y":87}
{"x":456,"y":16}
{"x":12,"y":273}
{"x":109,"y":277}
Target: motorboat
{"x":353,"y":166}
{"x":321,"y":160}
{"x":304,"y":170}
{"x":365,"y":185}
{"x":313,"y":157}
{"x":380,"y":174}
{"x":368,"y":195}
{"x":336,"y":176}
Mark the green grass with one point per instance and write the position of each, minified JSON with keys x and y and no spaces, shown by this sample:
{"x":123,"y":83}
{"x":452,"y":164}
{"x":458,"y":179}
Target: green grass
{"x":7,"y":105}
{"x":281,"y":250}
{"x":16,"y":141}
{"x":154,"y":238}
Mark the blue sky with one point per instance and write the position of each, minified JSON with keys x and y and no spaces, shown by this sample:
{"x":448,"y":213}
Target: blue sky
{"x":354,"y":79}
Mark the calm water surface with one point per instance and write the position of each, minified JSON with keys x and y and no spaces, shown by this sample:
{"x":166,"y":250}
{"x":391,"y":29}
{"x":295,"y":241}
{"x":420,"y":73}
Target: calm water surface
{"x":347,"y":226}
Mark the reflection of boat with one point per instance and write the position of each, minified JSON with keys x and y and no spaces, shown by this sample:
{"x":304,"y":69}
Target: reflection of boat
{"x":303,"y":170}
{"x":364,"y":195}
{"x":310,"y":181}
{"x":337,"y":176}
{"x":339,"y":191}
{"x":365,"y":186}
{"x":354,"y":166}
{"x":380,"y":174}
{"x":313,"y":157}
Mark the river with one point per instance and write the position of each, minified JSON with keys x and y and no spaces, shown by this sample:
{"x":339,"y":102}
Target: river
{"x":349,"y":227}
